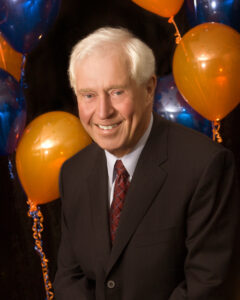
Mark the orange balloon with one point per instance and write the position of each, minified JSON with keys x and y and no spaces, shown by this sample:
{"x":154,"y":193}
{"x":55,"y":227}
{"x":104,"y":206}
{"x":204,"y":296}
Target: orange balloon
{"x":10,"y":60}
{"x":45,"y":144}
{"x":163,"y":8}
{"x":206,"y":66}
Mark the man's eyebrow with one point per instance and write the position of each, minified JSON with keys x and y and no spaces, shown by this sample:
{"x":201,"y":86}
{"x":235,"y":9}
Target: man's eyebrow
{"x":114,"y":87}
{"x":84,"y":91}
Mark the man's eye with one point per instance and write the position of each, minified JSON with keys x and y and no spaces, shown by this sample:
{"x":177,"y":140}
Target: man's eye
{"x":118,"y":92}
{"x":88,"y":96}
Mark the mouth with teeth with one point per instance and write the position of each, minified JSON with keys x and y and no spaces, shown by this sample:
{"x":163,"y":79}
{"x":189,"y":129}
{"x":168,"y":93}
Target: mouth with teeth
{"x":107,"y":127}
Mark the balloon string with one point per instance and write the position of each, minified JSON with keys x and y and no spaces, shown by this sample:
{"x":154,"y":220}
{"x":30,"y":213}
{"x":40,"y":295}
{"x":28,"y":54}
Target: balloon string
{"x":10,"y":168}
{"x":22,"y":80}
{"x":177,"y":33}
{"x":35,"y":213}
{"x":215,"y":130}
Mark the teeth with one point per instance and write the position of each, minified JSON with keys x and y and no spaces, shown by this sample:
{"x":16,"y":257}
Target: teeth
{"x":107,"y":127}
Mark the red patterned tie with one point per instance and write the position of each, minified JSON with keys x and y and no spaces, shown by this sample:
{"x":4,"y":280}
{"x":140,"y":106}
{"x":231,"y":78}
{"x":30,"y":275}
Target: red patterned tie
{"x":120,"y":189}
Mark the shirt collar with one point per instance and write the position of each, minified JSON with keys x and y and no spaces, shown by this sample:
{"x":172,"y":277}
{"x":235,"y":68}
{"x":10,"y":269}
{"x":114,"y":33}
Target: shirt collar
{"x":129,"y":160}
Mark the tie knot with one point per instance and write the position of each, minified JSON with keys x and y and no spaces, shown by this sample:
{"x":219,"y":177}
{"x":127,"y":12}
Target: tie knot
{"x":120,"y":169}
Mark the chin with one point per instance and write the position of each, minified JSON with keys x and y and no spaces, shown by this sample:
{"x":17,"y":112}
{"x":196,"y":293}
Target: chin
{"x":108,"y":145}
{"x":112,"y":150}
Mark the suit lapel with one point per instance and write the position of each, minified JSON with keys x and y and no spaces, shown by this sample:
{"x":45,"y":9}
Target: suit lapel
{"x":147,"y":180}
{"x":97,"y":182}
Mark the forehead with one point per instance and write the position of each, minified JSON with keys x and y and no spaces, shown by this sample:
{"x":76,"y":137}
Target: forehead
{"x":104,"y":65}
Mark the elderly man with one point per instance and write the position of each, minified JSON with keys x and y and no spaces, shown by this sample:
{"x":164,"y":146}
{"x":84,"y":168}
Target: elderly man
{"x":149,"y":210}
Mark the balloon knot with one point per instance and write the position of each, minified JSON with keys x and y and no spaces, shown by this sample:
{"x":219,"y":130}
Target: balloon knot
{"x":216,"y":131}
{"x":177,"y":33}
{"x":32,"y":206}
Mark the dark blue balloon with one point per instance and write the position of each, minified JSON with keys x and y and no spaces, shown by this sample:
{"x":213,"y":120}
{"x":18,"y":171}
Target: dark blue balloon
{"x":169,"y":104}
{"x":12,"y":113}
{"x":24,"y":22}
{"x":221,"y":11}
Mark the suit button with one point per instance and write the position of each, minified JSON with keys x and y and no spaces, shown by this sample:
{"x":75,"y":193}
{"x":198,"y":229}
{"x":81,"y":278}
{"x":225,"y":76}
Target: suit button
{"x":111,"y":284}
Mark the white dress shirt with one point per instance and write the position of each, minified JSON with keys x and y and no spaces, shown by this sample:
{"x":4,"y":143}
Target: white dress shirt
{"x":129,"y":161}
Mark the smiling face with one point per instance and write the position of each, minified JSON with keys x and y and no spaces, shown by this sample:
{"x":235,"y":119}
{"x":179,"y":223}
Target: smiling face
{"x":113,"y":108}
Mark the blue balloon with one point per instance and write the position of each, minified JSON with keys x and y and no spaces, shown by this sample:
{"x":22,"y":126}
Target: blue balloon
{"x":169,"y":104}
{"x":24,"y":22}
{"x":12,"y":113}
{"x":221,"y":11}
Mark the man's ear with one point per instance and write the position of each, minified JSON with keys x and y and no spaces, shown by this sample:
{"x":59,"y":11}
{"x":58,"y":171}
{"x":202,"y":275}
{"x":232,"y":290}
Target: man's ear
{"x":150,"y":87}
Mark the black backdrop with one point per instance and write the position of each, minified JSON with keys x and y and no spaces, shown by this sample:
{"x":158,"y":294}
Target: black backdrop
{"x":48,"y":90}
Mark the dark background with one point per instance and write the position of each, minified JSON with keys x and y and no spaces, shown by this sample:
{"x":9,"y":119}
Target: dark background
{"x":47,"y":90}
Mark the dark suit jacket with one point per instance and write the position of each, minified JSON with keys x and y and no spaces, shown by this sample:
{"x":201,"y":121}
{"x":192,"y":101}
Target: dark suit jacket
{"x":176,"y":232}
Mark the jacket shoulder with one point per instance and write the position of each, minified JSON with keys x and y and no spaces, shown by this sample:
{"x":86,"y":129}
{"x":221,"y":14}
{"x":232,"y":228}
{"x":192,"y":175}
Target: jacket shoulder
{"x":81,"y":162}
{"x":189,"y":146}
{"x":185,"y":137}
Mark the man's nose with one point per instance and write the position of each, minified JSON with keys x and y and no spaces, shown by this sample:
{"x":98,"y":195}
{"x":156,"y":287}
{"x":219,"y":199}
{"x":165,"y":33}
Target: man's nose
{"x":105,"y":108}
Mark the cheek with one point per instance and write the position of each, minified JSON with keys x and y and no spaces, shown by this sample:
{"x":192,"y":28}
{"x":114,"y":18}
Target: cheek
{"x":85,"y":113}
{"x":127,"y":110}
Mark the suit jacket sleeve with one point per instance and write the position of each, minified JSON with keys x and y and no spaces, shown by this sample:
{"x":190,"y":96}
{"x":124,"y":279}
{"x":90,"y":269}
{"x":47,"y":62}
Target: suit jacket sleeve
{"x":211,"y":230}
{"x":70,"y":281}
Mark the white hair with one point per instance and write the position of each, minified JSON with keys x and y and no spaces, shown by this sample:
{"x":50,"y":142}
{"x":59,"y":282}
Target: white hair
{"x":141,"y":57}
